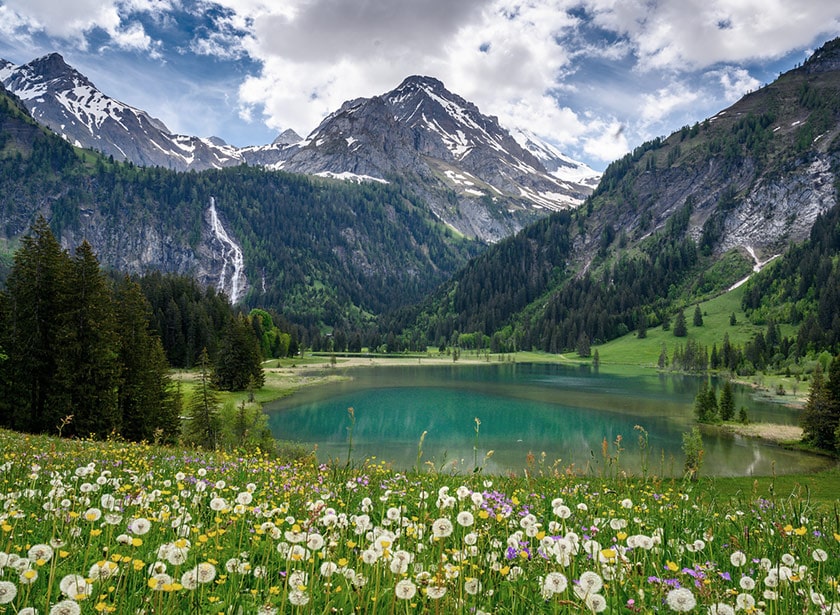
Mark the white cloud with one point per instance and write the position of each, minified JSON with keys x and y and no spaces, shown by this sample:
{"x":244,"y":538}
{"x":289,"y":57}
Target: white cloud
{"x":680,"y":34}
{"x":593,"y":76}
{"x":74,"y":21}
{"x":666,"y":101}
{"x":607,"y":141}
{"x":736,"y":82}
{"x":497,"y":54}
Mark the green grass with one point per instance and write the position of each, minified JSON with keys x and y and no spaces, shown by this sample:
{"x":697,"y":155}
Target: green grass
{"x":716,"y":313}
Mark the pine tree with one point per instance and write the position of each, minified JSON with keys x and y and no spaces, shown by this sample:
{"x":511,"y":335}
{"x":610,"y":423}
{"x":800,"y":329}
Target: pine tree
{"x":203,"y":422}
{"x":239,"y":359}
{"x":146,"y":397}
{"x":583,"y":347}
{"x":88,"y":365}
{"x":34,"y":300}
{"x":698,"y":317}
{"x":641,"y":326}
{"x":819,"y":420}
{"x":680,"y":329}
{"x":727,"y":402}
{"x":705,"y":404}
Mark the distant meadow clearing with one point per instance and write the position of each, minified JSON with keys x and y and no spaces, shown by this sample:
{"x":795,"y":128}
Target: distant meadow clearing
{"x":132,"y":529}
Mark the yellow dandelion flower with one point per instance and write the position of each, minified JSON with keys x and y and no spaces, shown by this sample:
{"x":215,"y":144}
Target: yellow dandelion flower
{"x":672,"y":566}
{"x":800,"y":531}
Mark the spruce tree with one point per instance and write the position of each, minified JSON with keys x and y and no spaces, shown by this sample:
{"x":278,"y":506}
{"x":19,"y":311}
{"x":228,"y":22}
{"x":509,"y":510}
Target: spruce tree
{"x":680,"y":329}
{"x":818,"y":421}
{"x":88,"y":362}
{"x":203,"y":421}
{"x":34,"y":300}
{"x":641,"y":326}
{"x":146,"y":393}
{"x":238,"y":360}
{"x":583,"y":348}
{"x":698,"y":317}
{"x":727,"y":402}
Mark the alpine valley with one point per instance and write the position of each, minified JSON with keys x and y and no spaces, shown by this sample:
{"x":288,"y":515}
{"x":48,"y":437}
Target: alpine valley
{"x":414,"y":214}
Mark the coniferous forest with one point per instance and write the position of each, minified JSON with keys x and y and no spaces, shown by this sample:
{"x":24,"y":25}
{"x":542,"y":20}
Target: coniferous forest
{"x":83,"y":351}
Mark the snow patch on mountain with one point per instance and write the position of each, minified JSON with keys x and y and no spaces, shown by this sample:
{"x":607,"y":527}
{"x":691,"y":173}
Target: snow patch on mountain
{"x":352,"y":177}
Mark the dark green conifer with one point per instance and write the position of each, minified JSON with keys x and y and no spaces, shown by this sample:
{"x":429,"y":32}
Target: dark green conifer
{"x":680,"y":329}
{"x":88,"y":363}
{"x":238,"y":360}
{"x":727,"y":402}
{"x":146,"y":395}
{"x":34,"y":301}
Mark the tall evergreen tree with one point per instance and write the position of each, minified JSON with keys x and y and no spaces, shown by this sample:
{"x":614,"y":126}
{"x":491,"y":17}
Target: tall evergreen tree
{"x":583,"y":348}
{"x":705,"y":403}
{"x":727,"y":402}
{"x":34,"y":301}
{"x":818,"y":418}
{"x":698,"y":317}
{"x":641,"y":325}
{"x":238,"y":360}
{"x":88,"y":362}
{"x":146,"y":394}
{"x":203,"y":421}
{"x":680,"y":329}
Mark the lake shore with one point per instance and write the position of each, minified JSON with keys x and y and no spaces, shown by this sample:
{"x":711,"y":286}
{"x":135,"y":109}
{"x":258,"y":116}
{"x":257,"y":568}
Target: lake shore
{"x":769,"y":432}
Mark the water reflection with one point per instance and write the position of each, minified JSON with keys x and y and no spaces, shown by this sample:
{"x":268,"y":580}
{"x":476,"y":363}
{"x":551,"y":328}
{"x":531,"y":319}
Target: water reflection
{"x":567,"y":413}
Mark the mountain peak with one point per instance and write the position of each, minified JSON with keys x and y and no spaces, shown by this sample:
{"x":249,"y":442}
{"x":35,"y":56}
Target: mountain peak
{"x":824,"y":59}
{"x":51,"y":66}
{"x":287,"y":137}
{"x":415,"y":81}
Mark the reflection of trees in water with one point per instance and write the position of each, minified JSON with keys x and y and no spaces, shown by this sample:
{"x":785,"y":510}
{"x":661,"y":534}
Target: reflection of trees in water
{"x":522,"y":409}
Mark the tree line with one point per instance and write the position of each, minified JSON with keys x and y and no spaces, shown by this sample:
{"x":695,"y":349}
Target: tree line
{"x":80,"y":357}
{"x":83,"y":353}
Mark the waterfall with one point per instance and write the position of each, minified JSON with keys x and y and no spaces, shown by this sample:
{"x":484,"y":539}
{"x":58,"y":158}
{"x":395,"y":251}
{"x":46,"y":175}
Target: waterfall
{"x":231,"y":278}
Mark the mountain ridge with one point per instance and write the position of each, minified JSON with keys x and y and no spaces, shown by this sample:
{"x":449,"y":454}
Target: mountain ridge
{"x":677,"y":219}
{"x":474,"y":175}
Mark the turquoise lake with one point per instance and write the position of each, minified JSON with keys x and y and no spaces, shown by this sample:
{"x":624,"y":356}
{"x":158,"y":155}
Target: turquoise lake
{"x":563,"y":412}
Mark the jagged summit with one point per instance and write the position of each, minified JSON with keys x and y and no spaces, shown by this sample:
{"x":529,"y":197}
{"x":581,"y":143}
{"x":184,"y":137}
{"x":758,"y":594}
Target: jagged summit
{"x":471,"y":172}
{"x":824,"y":59}
{"x":287,"y":137}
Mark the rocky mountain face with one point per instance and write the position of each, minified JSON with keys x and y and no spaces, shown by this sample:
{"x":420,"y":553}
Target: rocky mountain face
{"x":63,"y":99}
{"x":474,"y":175}
{"x":756,"y":175}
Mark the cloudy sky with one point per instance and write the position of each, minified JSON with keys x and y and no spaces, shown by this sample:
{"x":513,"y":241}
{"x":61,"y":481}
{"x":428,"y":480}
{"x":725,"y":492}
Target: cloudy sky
{"x":596,"y":77}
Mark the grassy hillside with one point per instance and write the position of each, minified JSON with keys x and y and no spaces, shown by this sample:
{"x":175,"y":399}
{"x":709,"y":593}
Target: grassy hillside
{"x":631,"y":350}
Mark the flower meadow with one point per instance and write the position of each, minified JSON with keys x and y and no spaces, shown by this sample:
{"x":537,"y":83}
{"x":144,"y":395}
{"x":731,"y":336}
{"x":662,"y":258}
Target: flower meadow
{"x":133,"y":529}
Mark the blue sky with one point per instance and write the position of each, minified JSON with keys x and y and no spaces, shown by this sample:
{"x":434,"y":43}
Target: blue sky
{"x":596,"y":78}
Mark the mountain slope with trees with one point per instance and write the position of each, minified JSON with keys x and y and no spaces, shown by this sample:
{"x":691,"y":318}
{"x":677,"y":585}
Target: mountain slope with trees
{"x":679,"y":218}
{"x":324,"y":253}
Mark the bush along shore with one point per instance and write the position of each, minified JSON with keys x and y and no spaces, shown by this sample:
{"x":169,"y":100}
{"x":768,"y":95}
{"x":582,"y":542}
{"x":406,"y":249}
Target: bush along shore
{"x":99,"y":527}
